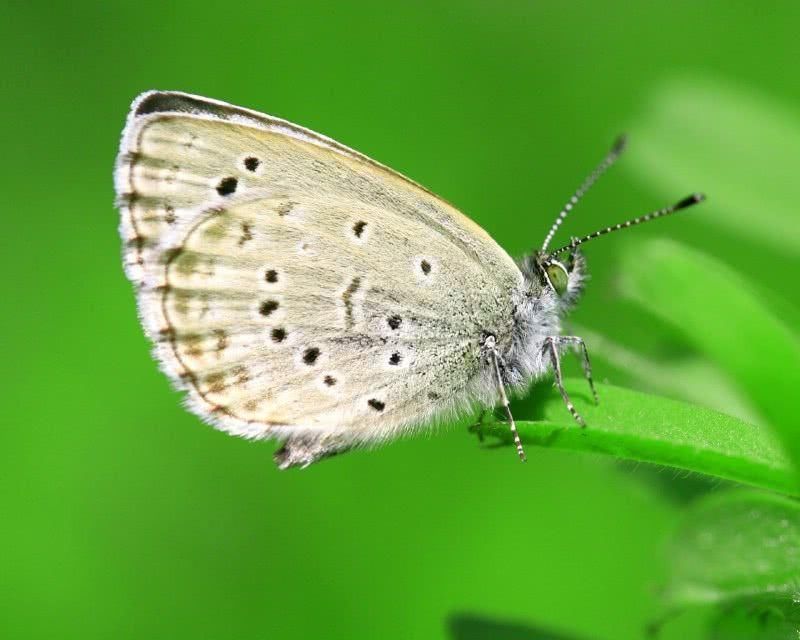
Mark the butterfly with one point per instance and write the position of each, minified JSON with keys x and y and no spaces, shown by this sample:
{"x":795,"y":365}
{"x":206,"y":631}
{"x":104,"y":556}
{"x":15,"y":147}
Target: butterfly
{"x":298,"y":290}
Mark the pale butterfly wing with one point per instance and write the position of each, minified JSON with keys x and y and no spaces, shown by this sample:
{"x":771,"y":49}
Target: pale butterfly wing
{"x":294,"y":286}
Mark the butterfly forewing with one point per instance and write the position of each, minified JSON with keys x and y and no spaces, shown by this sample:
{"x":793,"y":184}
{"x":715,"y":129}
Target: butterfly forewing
{"x":292,"y":284}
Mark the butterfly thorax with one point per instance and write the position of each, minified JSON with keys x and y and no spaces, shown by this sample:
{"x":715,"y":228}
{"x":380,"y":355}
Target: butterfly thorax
{"x":538,"y":311}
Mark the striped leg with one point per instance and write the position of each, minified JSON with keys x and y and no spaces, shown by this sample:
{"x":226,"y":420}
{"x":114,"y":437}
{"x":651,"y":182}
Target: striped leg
{"x":551,"y":344}
{"x":575,"y":341}
{"x":490,"y":342}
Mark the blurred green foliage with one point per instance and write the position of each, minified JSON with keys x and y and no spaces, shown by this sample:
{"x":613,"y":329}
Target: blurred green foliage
{"x":124,"y":517}
{"x":733,"y":545}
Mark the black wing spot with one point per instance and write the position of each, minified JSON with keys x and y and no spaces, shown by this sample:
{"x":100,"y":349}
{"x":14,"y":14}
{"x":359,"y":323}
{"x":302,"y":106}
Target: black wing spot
{"x":394,"y":322}
{"x":376,"y":404}
{"x":395,"y":358}
{"x":251,"y":163}
{"x":267,"y":307}
{"x":358,"y":228}
{"x":227,"y":186}
{"x":285,"y":208}
{"x":278,"y":334}
{"x":271,"y":276}
{"x":310,"y":355}
{"x":247,"y":234}
{"x":329,"y":381}
{"x":347,"y":298}
{"x":425,"y":266}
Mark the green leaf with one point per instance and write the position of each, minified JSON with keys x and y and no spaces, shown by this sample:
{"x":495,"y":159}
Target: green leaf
{"x":466,"y":626}
{"x":735,"y":545}
{"x":691,"y":379}
{"x":637,"y":426}
{"x":770,"y":618}
{"x":739,"y":146}
{"x":723,"y":319}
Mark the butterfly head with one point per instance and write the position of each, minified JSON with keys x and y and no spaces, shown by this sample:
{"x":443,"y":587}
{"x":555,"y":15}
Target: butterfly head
{"x":562,"y":277}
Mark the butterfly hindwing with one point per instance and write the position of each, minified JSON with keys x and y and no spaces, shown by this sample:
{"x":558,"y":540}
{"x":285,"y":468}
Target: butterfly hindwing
{"x":293,"y":285}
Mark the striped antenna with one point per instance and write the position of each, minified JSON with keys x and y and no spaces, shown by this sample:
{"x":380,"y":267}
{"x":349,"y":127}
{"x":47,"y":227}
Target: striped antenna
{"x":613,"y":154}
{"x":688,"y":201}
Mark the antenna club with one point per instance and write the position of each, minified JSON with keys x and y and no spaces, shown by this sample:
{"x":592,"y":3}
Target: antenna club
{"x":620,"y":143}
{"x":688,"y":201}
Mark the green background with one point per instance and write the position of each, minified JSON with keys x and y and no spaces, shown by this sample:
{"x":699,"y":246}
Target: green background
{"x":124,"y":517}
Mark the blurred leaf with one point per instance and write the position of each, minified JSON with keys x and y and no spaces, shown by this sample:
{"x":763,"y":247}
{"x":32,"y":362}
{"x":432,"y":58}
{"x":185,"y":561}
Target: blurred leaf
{"x":732,"y":142}
{"x":768,"y":618}
{"x":723,"y":319}
{"x":690,"y":379}
{"x":734,"y":545}
{"x":676,"y":485}
{"x":636,"y":426}
{"x":473,"y":627}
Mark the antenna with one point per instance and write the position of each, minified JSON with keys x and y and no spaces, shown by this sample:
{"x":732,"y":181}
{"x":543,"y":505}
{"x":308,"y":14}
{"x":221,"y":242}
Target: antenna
{"x":613,"y":154}
{"x":688,"y":201}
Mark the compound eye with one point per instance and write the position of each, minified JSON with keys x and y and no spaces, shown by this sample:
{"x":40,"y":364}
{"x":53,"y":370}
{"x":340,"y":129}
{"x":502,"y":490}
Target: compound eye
{"x":557,"y":275}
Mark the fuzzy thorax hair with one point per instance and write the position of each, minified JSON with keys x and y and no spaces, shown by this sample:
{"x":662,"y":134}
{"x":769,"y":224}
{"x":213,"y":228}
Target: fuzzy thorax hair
{"x":537,"y":316}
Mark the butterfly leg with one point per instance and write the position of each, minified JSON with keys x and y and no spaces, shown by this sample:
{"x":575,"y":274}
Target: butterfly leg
{"x":477,"y":426}
{"x":580,"y":345}
{"x":490,"y":345}
{"x":551,"y":345}
{"x":302,"y":451}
